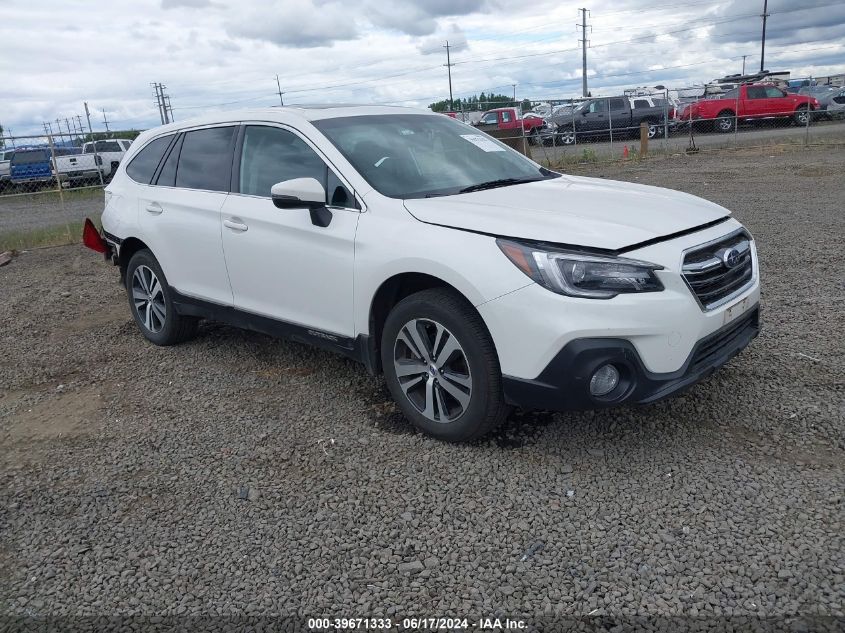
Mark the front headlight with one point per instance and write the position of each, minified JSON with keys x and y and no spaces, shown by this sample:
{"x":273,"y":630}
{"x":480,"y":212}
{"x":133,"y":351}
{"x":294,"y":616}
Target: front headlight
{"x":581,"y":274}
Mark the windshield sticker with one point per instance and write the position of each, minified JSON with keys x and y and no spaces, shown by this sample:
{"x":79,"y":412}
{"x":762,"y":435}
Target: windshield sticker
{"x":483,"y":142}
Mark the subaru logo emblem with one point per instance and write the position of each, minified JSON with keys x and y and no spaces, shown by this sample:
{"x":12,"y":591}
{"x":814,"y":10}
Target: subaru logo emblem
{"x":730,"y":258}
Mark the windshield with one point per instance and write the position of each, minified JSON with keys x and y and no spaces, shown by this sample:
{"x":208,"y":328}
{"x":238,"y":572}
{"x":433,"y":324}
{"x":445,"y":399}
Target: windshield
{"x":418,"y":155}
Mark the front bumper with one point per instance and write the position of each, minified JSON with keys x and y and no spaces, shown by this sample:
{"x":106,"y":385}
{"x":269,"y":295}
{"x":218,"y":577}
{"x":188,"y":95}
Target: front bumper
{"x":565,"y":382}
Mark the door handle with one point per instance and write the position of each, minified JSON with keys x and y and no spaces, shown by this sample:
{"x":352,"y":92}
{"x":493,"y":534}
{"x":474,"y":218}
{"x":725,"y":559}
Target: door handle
{"x":235,"y":226}
{"x":154,"y":208}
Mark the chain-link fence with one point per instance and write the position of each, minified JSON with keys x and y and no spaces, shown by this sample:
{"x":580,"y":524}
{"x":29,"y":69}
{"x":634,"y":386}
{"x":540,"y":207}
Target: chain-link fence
{"x":742,"y":115}
{"x":50,"y":183}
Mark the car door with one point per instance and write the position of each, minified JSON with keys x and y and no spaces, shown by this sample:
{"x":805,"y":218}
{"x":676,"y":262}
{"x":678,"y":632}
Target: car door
{"x":594,"y":117}
{"x":618,"y":116}
{"x":281,"y":263}
{"x":756,"y":103}
{"x":179,"y":212}
{"x":777,"y":103}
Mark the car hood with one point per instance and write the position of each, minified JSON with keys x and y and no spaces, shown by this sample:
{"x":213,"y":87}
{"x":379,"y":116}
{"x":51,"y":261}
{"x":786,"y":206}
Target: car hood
{"x":571,"y":210}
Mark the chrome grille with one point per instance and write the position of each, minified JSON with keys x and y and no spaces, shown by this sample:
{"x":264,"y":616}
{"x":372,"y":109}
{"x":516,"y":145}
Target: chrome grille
{"x":718,"y":271}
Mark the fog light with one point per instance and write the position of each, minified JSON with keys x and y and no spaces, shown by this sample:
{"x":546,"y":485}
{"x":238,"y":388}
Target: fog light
{"x":604,"y":380}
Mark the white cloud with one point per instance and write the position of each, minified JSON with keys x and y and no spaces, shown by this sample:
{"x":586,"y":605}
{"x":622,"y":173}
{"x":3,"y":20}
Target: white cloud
{"x":213,"y":52}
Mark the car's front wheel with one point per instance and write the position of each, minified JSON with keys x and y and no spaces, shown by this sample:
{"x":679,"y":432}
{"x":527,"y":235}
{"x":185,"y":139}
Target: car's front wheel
{"x":151,"y":302}
{"x":441,"y":367}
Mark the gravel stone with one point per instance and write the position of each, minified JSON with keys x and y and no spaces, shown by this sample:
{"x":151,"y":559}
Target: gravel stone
{"x":414,"y":567}
{"x":126,"y":491}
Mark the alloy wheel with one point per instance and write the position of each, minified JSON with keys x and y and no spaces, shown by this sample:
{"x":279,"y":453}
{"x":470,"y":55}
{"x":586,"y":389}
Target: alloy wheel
{"x":432,"y":369}
{"x":148,"y":298}
{"x":725,"y":124}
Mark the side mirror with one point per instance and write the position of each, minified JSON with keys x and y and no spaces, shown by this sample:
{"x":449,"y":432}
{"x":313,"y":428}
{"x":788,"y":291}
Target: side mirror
{"x":298,"y":193}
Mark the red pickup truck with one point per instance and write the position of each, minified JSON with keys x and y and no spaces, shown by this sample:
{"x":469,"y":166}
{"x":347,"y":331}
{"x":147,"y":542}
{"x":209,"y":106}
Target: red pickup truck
{"x":511,"y":119}
{"x":747,"y":103}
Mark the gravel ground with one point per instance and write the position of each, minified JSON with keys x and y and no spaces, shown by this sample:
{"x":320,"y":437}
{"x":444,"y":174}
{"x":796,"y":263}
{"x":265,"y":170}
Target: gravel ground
{"x":242,"y":475}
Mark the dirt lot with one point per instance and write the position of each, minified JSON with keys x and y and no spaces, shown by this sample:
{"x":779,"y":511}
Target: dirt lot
{"x":242,"y":475}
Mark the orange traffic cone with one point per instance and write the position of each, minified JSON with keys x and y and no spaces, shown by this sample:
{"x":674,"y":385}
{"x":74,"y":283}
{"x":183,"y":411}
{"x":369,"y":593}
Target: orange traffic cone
{"x":625,"y":153}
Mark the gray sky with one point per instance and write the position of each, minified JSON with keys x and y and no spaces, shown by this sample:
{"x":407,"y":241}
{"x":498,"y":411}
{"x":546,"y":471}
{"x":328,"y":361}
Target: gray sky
{"x":214,"y":54}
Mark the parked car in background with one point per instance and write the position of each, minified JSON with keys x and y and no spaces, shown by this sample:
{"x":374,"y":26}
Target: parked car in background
{"x":753,"y":102}
{"x":472,"y":277}
{"x":5,"y":159}
{"x":111,"y":151}
{"x":619,"y":116}
{"x":31,"y":166}
{"x":512,"y":119}
{"x":824,"y":95}
{"x":90,"y":165}
{"x":836,"y":105}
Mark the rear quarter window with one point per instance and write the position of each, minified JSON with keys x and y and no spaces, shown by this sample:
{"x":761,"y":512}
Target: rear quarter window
{"x":143,"y":166}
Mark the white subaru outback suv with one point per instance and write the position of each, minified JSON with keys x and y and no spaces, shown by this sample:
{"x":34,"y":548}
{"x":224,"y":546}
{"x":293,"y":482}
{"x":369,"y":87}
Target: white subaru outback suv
{"x":473,"y":278}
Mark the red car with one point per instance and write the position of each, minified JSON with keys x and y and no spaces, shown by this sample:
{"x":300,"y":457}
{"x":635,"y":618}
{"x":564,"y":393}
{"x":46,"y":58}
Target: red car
{"x":511,"y":119}
{"x":749,"y":103}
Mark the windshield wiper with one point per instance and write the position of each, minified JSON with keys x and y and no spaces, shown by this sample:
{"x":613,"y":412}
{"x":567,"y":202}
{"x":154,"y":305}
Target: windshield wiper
{"x":501,"y":182}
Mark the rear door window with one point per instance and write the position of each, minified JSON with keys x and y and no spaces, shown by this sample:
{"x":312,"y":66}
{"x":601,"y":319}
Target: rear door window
{"x":617,"y":103}
{"x":205,"y":161}
{"x":143,"y":166}
{"x":641,"y":103}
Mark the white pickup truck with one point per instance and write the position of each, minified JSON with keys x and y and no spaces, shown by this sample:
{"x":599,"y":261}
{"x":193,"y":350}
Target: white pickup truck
{"x":84,"y":167}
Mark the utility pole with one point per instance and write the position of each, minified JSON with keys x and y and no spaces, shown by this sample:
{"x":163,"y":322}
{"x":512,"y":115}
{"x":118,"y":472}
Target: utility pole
{"x":69,"y":133}
{"x":279,"y":86}
{"x":743,"y":64}
{"x":97,"y":160}
{"x":168,"y":108}
{"x":583,"y":26}
{"x":514,"y":93}
{"x":81,"y":129}
{"x":59,"y":128}
{"x":763,"y":43}
{"x":161,"y":102}
{"x":105,"y":121}
{"x":449,"y":65}
{"x":158,"y":102}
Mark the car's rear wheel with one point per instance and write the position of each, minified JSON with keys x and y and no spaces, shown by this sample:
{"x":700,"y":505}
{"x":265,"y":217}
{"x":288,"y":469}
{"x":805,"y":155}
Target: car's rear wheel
{"x":441,"y":367}
{"x":567,"y":137}
{"x":151,"y":302}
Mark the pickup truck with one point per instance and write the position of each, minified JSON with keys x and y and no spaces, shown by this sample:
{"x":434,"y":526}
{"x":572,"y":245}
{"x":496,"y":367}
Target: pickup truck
{"x":33,"y":165}
{"x":5,"y":159}
{"x":617,"y":116}
{"x":84,"y":167}
{"x":512,"y":119}
{"x":750,"y":102}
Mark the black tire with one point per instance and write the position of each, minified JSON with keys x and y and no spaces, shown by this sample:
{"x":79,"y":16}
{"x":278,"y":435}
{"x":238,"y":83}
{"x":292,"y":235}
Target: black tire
{"x":725,"y":122}
{"x":534,"y":137}
{"x":653,"y":129}
{"x":801,"y":115}
{"x":486,"y":407}
{"x":174,"y":328}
